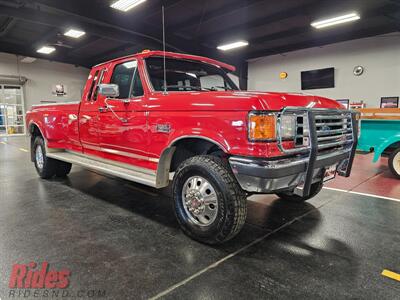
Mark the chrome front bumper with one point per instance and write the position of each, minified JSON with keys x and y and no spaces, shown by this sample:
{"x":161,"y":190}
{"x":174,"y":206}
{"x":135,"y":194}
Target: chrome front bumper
{"x":267,"y":176}
{"x":304,"y":166}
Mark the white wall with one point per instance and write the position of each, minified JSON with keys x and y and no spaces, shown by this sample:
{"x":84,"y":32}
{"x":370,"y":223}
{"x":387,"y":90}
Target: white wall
{"x":379,"y":55}
{"x":42,"y":75}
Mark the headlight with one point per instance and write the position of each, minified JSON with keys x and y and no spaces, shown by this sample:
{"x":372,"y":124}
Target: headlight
{"x":288,"y":126}
{"x":262,"y":126}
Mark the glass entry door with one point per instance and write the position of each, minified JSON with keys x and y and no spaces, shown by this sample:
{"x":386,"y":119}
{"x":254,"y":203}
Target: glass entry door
{"x":12,"y":112}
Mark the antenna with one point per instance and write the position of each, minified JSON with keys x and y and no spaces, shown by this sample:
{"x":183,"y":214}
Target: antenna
{"x":165,"y":70}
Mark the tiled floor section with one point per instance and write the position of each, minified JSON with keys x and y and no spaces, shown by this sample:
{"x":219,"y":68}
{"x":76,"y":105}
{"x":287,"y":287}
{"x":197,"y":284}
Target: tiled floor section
{"x":123,"y":238}
{"x":370,"y":178}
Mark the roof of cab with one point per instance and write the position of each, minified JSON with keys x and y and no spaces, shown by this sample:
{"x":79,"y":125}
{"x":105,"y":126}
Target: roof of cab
{"x":148,"y":53}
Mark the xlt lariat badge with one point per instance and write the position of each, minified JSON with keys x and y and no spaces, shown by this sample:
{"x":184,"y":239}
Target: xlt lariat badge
{"x":164,"y":128}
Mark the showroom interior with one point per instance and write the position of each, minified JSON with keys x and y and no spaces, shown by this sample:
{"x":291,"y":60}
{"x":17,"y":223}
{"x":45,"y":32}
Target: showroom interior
{"x":94,"y":233}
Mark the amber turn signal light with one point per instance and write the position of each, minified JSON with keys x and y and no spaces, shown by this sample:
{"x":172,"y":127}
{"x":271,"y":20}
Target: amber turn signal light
{"x":262,"y":127}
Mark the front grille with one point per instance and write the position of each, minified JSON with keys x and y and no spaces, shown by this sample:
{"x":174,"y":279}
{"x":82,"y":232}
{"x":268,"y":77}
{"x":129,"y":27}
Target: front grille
{"x":333,"y":129}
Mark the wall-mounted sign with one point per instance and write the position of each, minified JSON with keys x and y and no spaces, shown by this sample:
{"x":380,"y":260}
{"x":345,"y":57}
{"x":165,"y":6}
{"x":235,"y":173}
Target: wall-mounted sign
{"x":59,"y":90}
{"x":389,"y":102}
{"x":283,"y":75}
{"x":358,"y":105}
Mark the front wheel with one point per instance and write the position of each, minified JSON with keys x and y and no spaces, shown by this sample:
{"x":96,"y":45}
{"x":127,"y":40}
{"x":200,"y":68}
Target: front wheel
{"x":209,"y":204}
{"x":291,"y":197}
{"x":394,"y":163}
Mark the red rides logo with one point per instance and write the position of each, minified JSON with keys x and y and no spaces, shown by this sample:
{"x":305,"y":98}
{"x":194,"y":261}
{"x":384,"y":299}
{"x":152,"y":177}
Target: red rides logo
{"x":35,"y":277}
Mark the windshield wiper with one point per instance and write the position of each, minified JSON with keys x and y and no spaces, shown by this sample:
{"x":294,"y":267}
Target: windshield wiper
{"x":196,"y":88}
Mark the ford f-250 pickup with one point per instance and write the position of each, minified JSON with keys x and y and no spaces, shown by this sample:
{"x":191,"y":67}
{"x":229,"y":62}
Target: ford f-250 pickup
{"x":189,"y":122}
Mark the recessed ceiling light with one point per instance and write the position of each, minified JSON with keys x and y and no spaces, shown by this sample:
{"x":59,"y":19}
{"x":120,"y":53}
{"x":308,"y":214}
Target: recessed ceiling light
{"x":336,"y":20}
{"x":46,"y":50}
{"x":28,"y":60}
{"x":232,"y":45}
{"x":126,"y":5}
{"x":74,"y":33}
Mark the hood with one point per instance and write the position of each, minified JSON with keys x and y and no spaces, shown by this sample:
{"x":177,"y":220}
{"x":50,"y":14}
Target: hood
{"x":238,"y":101}
{"x":278,"y":101}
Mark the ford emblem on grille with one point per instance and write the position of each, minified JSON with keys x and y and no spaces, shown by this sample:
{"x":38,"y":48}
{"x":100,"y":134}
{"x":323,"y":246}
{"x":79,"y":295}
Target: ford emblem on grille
{"x":325,"y":128}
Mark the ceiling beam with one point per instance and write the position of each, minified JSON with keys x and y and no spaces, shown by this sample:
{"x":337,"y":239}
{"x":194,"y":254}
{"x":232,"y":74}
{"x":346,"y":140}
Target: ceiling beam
{"x":44,"y":39}
{"x":326,"y":40}
{"x":21,"y":50}
{"x":135,"y":19}
{"x":110,"y":54}
{"x":276,"y":17}
{"x":94,"y":27}
{"x":230,"y":8}
{"x":312,"y":10}
{"x":293,"y":32}
{"x":7,"y":26}
{"x":88,"y":42}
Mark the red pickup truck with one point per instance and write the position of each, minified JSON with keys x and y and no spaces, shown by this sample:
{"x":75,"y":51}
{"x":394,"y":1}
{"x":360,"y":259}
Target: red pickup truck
{"x":149,"y":119}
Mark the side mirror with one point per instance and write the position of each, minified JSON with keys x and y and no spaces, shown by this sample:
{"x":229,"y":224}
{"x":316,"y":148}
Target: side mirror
{"x":109,"y":90}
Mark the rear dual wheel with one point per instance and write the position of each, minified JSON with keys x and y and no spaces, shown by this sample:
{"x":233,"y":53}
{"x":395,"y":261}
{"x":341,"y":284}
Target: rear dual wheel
{"x":45,"y":166}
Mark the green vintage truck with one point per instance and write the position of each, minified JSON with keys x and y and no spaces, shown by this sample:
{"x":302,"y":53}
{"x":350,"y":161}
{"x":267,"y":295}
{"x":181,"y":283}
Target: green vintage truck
{"x":380,"y":133}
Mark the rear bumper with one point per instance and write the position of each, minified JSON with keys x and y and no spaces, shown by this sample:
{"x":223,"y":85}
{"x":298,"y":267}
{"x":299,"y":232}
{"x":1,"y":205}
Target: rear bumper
{"x":266,"y":176}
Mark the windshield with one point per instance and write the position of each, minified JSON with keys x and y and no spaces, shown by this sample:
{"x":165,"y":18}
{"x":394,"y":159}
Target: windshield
{"x":185,"y":75}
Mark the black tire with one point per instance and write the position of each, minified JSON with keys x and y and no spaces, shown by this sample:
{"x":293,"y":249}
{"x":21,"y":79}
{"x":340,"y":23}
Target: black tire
{"x":290,"y":197}
{"x":63,"y":169}
{"x":392,"y":161}
{"x":48,"y":169}
{"x":230,"y":198}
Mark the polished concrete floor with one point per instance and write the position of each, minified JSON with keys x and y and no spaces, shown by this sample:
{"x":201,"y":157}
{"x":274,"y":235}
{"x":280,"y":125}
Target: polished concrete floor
{"x":122,"y":240}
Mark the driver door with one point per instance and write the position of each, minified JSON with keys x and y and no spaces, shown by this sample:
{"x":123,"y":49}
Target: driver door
{"x":122,"y":120}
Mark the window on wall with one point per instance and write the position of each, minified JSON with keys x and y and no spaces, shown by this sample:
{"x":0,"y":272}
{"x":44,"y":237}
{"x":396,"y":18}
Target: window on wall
{"x":127,"y":77}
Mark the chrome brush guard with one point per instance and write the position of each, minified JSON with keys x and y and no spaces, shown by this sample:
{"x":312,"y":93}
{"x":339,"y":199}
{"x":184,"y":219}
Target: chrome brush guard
{"x":317,"y":132}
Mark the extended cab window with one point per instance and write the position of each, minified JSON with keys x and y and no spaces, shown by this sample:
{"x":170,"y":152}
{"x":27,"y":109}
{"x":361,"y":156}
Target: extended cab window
{"x":185,"y":75}
{"x":96,"y":90}
{"x":126,"y":76}
{"x":92,"y":85}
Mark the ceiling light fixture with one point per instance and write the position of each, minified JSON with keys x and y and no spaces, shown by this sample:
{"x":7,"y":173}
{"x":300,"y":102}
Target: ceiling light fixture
{"x":74,"y":33}
{"x":233,"y":45}
{"x":126,"y":5}
{"x":46,"y":50}
{"x":336,"y":20}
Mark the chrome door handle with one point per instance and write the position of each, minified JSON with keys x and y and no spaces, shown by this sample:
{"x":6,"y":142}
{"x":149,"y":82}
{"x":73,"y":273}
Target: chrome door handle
{"x":105,"y":108}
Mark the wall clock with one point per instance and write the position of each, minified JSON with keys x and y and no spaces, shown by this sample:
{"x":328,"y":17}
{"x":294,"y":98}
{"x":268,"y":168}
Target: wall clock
{"x":358,"y":70}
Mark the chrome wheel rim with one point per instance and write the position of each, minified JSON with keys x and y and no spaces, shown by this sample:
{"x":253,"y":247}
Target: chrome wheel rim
{"x":200,"y":201}
{"x":396,"y":163}
{"x":39,"y":157}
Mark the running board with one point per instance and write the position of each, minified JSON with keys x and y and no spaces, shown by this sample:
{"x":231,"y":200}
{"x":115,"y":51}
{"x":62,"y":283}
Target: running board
{"x":143,"y":177}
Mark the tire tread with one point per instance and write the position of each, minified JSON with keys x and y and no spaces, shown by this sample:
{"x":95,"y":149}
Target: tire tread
{"x":235,"y":217}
